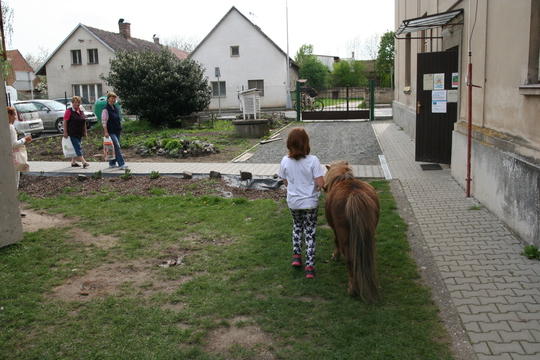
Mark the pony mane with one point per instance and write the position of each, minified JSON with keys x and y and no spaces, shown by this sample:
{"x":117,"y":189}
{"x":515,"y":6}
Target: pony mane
{"x":337,"y":171}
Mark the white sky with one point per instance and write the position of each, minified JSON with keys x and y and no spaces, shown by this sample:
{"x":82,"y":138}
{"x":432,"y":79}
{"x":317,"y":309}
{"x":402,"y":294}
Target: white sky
{"x":327,"y":25}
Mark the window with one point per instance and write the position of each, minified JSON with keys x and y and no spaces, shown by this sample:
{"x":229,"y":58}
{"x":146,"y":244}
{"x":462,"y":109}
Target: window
{"x":408,"y":62}
{"x":76,"y":58}
{"x":256,"y":84}
{"x":93,"y":56}
{"x":91,"y":91}
{"x":218,"y":91}
{"x":235,"y":50}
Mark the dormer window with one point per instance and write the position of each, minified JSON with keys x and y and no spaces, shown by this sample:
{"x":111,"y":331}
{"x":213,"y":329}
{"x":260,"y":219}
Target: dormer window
{"x":235,"y":50}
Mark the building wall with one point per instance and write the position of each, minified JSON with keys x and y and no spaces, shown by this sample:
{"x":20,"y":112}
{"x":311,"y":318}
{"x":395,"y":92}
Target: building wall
{"x":259,"y":60}
{"x":505,"y":151}
{"x":61,"y":74}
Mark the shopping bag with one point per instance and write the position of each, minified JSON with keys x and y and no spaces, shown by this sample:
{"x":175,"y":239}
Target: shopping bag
{"x":108,"y":149}
{"x":20,"y":159}
{"x":67,"y":147}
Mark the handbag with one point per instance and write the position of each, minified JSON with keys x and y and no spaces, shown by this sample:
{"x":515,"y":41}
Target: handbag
{"x":108,"y":149}
{"x":20,"y":159}
{"x":67,"y":148}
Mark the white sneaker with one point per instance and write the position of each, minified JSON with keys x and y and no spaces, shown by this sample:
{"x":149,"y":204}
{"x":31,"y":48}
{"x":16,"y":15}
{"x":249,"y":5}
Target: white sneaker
{"x":122,"y":167}
{"x":113,"y":166}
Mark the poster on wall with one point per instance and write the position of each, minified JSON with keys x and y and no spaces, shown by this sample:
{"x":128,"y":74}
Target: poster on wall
{"x":438,"y":81}
{"x":428,"y":82}
{"x":455,"y":80}
{"x":438,"y":106}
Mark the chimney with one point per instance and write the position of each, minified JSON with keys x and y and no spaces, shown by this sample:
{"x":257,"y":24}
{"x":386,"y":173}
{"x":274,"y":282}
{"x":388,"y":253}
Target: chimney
{"x":156,"y":39}
{"x":124,"y":29}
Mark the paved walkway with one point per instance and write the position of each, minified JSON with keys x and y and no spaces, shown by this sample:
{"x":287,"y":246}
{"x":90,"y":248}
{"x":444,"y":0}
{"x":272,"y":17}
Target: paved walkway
{"x":493,"y":289}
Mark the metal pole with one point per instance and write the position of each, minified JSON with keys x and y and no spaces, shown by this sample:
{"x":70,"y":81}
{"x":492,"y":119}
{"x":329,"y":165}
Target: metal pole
{"x":298,"y":100}
{"x":288,"y":104}
{"x":372,"y":99}
{"x":469,"y":108}
{"x":219,"y":96}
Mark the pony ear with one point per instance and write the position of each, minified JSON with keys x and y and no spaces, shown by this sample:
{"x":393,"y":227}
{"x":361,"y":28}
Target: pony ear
{"x":327,"y":167}
{"x":346,"y":163}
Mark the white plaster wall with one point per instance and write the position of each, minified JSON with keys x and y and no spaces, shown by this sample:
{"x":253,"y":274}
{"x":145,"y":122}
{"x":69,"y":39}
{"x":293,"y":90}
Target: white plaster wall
{"x":61,"y":74}
{"x":259,"y":60}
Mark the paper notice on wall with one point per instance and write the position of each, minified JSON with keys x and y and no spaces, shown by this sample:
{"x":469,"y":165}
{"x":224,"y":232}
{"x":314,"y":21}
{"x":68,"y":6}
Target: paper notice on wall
{"x":438,"y":81}
{"x":428,"y":82}
{"x":452,"y":96}
{"x":438,"y":95}
{"x":438,"y":106}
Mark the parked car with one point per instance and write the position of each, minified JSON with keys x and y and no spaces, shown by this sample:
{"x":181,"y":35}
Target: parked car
{"x":85,"y":103}
{"x":52,"y":113}
{"x":28,"y":120}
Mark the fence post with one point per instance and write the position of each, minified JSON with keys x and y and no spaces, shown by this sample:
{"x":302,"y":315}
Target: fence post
{"x":297,"y":101}
{"x":371,"y":99}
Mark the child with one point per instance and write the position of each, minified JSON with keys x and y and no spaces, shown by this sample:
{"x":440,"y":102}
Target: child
{"x":302,"y":174}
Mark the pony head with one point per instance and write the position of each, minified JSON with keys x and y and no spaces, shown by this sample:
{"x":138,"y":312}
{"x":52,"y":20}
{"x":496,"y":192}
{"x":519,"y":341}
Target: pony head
{"x":337,"y":171}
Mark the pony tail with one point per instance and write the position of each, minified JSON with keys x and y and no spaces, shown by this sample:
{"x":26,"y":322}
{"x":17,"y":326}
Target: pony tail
{"x":362,"y":245}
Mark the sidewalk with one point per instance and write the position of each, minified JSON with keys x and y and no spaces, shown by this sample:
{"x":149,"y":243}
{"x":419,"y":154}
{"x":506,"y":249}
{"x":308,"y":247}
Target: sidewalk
{"x":495,"y":290}
{"x":479,"y":275}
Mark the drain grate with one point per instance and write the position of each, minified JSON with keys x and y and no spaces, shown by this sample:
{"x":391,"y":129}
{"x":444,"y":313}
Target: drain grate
{"x":426,"y":167}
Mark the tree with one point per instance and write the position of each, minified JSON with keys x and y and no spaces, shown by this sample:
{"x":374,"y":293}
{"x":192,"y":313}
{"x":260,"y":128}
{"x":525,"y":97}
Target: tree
{"x":182,"y":42}
{"x":35,"y":61}
{"x":311,"y":68}
{"x":349,"y":73}
{"x":366,"y":50}
{"x":158,"y":86}
{"x":7,"y":32}
{"x":385,"y":59}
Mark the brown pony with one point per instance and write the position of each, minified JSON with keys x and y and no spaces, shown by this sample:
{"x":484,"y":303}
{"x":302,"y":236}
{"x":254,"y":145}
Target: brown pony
{"x":352,"y":211}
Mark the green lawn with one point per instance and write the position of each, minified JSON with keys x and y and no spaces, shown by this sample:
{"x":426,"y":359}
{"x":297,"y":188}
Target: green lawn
{"x":236,"y":277}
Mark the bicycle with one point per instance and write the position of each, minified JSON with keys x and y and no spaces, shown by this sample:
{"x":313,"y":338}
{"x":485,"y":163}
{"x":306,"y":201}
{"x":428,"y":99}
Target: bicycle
{"x":317,"y":105}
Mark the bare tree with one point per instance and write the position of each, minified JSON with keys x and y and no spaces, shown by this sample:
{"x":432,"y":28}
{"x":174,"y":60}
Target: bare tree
{"x":366,"y":49}
{"x":182,"y":42}
{"x":36,"y":60}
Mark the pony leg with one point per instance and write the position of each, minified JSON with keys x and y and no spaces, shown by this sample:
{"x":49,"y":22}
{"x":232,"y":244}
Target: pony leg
{"x":337,"y":253}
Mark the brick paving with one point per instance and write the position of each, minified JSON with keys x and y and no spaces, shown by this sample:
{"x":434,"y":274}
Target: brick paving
{"x":494,"y":290}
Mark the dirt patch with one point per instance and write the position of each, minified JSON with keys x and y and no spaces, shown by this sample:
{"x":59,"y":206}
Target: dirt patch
{"x":224,"y":340}
{"x":134,"y":277}
{"x":35,"y":220}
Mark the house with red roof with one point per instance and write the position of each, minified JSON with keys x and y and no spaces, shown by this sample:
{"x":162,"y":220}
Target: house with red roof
{"x":75,"y":66}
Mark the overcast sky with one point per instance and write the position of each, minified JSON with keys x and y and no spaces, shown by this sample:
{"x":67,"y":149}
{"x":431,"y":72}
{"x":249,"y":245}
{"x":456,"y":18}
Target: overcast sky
{"x":327,"y":25}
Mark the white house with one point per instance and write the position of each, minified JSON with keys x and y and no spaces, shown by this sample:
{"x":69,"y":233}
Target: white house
{"x":246,"y":59}
{"x":468,"y":93}
{"x":75,"y":66}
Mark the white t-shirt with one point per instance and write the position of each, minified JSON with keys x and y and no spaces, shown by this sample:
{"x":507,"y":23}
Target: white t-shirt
{"x":300,"y":174}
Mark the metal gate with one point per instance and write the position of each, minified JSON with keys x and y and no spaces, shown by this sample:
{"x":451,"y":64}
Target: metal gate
{"x":344,"y":103}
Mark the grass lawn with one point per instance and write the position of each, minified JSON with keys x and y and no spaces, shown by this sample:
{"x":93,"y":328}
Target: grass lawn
{"x":235,"y":295}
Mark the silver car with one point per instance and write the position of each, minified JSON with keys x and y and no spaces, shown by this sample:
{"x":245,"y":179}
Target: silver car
{"x":52,"y":113}
{"x":28,"y":120}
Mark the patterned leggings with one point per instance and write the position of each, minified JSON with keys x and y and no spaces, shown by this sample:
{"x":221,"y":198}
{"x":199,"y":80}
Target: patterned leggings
{"x":304,"y":222}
